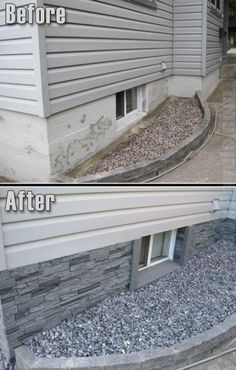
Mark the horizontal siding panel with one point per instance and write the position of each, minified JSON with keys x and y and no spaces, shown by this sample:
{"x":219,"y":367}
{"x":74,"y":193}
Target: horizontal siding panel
{"x":75,"y":31}
{"x":77,"y":59}
{"x":18,"y":91}
{"x":24,"y":232}
{"x":19,"y":105}
{"x":55,"y":45}
{"x":70,"y":101}
{"x":40,"y":251}
{"x":78,"y":203}
{"x":17,"y":77}
{"x":16,"y":62}
{"x":18,"y":83}
{"x":129,"y":39}
{"x":214,"y":45}
{"x":72,"y":87}
{"x":188,"y":38}
{"x":72,"y":73}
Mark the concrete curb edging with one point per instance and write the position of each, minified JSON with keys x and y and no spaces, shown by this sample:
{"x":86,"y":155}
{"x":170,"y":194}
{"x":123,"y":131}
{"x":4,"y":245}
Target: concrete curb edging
{"x":190,"y":351}
{"x":148,"y":169}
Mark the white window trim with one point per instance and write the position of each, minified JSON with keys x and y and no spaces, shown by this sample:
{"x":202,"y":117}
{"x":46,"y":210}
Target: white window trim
{"x":171,"y":251}
{"x":219,"y":10}
{"x":139,"y":104}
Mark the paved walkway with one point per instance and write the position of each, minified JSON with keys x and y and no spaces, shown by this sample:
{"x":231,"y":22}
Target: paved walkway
{"x":217,"y":161}
{"x":223,"y":363}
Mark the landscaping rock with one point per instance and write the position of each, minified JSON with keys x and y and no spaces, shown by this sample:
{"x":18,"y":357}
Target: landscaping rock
{"x":178,"y":119}
{"x":188,"y":302}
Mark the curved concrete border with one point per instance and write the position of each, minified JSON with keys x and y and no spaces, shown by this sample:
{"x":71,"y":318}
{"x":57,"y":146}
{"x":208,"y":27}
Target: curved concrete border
{"x":190,"y":351}
{"x":148,"y":169}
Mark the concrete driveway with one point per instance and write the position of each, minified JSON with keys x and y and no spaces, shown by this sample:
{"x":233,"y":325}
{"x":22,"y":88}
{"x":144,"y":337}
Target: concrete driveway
{"x":227,"y":362}
{"x":217,"y":161}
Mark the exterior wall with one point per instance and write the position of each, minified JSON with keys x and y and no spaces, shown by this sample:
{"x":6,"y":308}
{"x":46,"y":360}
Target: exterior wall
{"x":188,"y":34}
{"x":20,"y":72}
{"x":77,"y":135}
{"x":209,"y":82}
{"x":24,"y":152}
{"x":214,"y":47}
{"x":87,"y":218}
{"x":232,"y":211}
{"x":184,"y":86}
{"x":41,"y":296}
{"x":115,"y":45}
{"x":3,"y":338}
{"x":229,"y":232}
{"x":156,"y":93}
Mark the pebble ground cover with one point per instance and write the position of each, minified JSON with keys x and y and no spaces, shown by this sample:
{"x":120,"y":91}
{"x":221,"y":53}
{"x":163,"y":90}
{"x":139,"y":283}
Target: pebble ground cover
{"x":178,"y":306}
{"x":178,"y":119}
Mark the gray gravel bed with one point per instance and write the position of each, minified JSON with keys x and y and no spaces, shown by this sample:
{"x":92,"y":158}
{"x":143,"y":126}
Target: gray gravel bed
{"x":176,"y":307}
{"x":178,"y":119}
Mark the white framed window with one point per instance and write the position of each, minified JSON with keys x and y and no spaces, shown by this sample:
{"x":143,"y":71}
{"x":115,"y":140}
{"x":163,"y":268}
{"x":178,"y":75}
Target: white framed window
{"x":128,"y":102}
{"x":216,"y":3}
{"x":157,"y":248}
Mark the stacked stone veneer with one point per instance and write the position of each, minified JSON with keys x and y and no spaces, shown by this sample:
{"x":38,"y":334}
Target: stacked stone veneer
{"x":212,"y":232}
{"x":3,"y":340}
{"x":42,"y":295}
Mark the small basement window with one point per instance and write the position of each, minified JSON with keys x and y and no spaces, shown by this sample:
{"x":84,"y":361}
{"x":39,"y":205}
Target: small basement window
{"x":157,"y":248}
{"x":157,"y":255}
{"x":126,"y":102}
{"x":216,"y":3}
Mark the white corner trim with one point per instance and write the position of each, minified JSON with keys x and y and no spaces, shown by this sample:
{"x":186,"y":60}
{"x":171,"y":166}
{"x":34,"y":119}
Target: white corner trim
{"x":40,"y":64}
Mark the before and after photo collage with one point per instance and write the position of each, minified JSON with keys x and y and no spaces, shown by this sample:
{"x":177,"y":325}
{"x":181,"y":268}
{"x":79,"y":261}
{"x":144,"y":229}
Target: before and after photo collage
{"x":118,"y":185}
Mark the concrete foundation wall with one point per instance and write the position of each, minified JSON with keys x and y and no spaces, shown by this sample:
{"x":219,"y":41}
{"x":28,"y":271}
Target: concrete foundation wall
{"x":209,"y":82}
{"x":78,"y":134}
{"x":156,"y":93}
{"x":184,"y":86}
{"x":24,"y":152}
{"x":41,"y":296}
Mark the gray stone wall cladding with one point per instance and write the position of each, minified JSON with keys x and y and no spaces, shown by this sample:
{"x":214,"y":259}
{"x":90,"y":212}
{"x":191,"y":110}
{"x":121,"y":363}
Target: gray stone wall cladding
{"x":3,"y":340}
{"x":41,"y":296}
{"x":201,"y":234}
{"x":229,"y":230}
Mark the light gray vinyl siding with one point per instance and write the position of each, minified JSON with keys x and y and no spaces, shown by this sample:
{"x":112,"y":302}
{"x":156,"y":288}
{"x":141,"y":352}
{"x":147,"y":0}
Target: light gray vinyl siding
{"x":214,"y":45}
{"x":87,"y":218}
{"x":106,"y":47}
{"x":17,"y":66}
{"x":188,"y":31}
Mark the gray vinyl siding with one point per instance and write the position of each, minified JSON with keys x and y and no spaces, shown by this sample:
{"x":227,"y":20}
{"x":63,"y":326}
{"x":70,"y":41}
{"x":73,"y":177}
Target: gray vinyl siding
{"x":87,"y":218}
{"x":214,"y":45}
{"x":105,"y":47}
{"x":188,"y":31}
{"x":17,"y":66}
